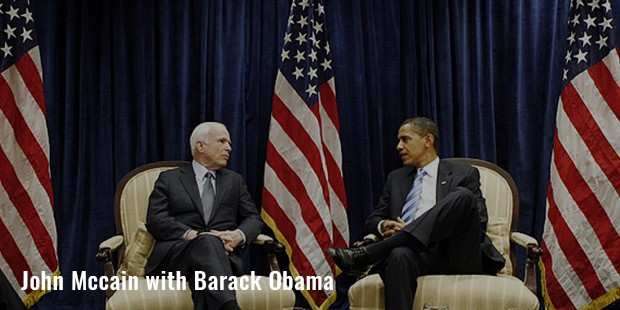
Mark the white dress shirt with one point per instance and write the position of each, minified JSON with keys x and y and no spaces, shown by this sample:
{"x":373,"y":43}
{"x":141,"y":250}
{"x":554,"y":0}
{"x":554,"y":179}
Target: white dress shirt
{"x":428,"y":198}
{"x":200,"y":172}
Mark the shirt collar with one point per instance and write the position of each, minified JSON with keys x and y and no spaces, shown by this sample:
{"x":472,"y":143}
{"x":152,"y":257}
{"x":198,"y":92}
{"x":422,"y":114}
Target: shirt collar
{"x":432,"y":167}
{"x":200,"y":171}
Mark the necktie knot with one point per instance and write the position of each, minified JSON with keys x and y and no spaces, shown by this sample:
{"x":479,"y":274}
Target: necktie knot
{"x":209,"y":176}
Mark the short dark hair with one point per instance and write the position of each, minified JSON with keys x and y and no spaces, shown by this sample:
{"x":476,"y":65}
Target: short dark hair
{"x":423,"y":126}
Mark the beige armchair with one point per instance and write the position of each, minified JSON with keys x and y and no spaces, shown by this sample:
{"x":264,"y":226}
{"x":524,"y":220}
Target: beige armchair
{"x":134,"y":245}
{"x":504,"y":291}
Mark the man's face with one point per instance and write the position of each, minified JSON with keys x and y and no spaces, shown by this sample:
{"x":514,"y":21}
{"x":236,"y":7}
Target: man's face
{"x":215,"y":150}
{"x":413,"y":148}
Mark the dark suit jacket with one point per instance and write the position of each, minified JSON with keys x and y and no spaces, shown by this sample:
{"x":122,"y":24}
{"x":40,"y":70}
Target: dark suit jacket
{"x":175,"y":207}
{"x":450,"y":176}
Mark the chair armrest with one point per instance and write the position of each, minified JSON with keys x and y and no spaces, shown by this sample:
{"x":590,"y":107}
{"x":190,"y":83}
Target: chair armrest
{"x":112,"y":243}
{"x":533,"y":252}
{"x":106,"y":248}
{"x":262,"y":239}
{"x":271,"y":247}
{"x":522,"y":239}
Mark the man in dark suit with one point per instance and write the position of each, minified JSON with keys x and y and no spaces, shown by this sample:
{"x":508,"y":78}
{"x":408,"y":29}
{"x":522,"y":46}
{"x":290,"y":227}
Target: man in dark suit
{"x":432,"y":218}
{"x":201,"y":216}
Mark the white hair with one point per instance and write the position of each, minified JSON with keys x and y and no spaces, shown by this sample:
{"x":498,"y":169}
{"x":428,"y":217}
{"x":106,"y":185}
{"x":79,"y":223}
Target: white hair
{"x":200,"y":133}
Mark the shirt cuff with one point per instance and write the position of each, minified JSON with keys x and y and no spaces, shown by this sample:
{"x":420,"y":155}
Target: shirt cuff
{"x":379,"y":227}
{"x":184,"y":236}
{"x":242,"y":236}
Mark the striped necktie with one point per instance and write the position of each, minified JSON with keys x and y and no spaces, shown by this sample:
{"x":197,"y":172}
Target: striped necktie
{"x":208,"y":197}
{"x":413,"y":198}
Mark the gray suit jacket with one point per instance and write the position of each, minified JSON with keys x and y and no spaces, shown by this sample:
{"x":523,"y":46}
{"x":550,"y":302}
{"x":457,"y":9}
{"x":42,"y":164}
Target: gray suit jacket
{"x":175,"y":207}
{"x":450,"y":176}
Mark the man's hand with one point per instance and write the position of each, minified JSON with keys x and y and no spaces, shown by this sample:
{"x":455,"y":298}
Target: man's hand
{"x":390,"y":227}
{"x":231,"y":239}
{"x":191,"y":234}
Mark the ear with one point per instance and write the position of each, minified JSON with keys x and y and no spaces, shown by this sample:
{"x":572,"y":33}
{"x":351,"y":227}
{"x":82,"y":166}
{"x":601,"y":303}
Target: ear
{"x":200,"y":146}
{"x":430,"y":140}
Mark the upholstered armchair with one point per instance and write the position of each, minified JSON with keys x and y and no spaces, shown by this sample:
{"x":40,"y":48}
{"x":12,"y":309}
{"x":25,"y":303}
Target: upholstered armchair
{"x":504,"y":291}
{"x":134,"y":245}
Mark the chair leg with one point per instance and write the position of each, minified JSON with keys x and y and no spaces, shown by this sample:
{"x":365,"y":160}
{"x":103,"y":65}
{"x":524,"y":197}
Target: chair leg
{"x":272,"y":247}
{"x":533,"y":254}
{"x":105,"y":255}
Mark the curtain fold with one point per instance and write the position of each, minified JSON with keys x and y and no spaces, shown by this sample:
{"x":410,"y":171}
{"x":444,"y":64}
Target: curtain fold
{"x":127,"y":81}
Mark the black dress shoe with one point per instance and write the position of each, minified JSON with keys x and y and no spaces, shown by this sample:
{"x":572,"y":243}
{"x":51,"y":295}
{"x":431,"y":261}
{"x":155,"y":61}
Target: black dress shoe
{"x":351,"y":261}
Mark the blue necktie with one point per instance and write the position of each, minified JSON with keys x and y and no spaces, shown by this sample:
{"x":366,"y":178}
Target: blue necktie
{"x":208,"y":197}
{"x":413,"y":198}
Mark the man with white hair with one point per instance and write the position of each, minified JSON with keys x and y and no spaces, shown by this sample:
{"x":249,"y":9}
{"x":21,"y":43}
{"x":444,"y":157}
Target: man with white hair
{"x":202,"y":216}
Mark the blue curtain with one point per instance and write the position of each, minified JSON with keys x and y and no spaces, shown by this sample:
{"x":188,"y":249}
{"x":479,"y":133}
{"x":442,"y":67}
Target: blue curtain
{"x":127,"y":81}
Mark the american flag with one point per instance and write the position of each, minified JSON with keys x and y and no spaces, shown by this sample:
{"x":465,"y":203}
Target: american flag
{"x":304,"y":199}
{"x":27,"y":227}
{"x":581,"y":237}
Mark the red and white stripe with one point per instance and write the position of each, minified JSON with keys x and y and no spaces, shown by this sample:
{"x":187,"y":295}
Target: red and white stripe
{"x":304,"y":197}
{"x":27,"y":227}
{"x":581,"y":237}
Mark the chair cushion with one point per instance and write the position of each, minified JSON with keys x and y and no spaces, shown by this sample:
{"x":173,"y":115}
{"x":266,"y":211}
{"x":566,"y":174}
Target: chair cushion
{"x":134,"y":199}
{"x":142,"y":298}
{"x":145,"y":299}
{"x":498,"y":230}
{"x":137,"y":252}
{"x":456,"y":292}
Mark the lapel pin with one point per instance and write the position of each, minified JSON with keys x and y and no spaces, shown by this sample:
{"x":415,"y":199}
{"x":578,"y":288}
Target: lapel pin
{"x":443,"y":182}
